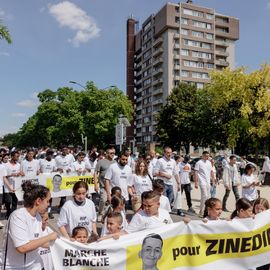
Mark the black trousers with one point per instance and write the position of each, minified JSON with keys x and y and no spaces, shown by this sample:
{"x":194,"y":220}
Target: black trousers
{"x":187,"y":189}
{"x":11,"y":202}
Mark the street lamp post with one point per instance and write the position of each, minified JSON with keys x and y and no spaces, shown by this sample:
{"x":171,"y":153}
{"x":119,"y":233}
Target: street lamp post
{"x":78,"y":84}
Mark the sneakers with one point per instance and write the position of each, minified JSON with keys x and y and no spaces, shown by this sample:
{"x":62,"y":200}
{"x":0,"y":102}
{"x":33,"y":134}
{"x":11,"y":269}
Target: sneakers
{"x":1,"y":225}
{"x":180,"y":213}
{"x":51,"y":216}
{"x":191,"y":210}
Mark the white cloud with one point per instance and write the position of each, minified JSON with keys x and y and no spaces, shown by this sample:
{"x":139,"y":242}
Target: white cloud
{"x":18,"y":115}
{"x":4,"y":54}
{"x":28,"y":103}
{"x":268,"y":5}
{"x":69,"y":15}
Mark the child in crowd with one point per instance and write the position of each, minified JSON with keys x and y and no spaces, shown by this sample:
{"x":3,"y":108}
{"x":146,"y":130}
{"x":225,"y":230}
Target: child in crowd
{"x":244,"y":209}
{"x":260,"y":205}
{"x":117,"y":206}
{"x":80,"y":234}
{"x":213,"y":209}
{"x":45,"y":253}
{"x":158,"y":187}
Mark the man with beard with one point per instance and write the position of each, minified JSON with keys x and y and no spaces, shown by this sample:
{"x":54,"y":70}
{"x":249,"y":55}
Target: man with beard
{"x":118,"y":175}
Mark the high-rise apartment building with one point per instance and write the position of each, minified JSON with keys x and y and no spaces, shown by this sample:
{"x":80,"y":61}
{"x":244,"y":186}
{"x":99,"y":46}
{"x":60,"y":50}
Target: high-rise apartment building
{"x":180,"y":43}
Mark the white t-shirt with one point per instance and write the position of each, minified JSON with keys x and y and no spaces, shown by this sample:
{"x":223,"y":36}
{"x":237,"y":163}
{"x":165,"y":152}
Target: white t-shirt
{"x":3,"y":173}
{"x":165,"y":203}
{"x":141,"y":183}
{"x":124,"y":225}
{"x":22,"y":229}
{"x":30,"y":167}
{"x":11,"y":168}
{"x":168,"y":166}
{"x":184,"y":170}
{"x":45,"y":253}
{"x":251,"y":192}
{"x":73,"y":215}
{"x":64,"y":162}
{"x":90,"y":165}
{"x":141,"y":221}
{"x":119,"y":176}
{"x":47,"y":166}
{"x":204,"y":168}
{"x":78,"y":166}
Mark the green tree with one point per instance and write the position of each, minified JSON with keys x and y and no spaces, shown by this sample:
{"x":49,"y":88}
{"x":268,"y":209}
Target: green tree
{"x":65,"y":114}
{"x":4,"y":34}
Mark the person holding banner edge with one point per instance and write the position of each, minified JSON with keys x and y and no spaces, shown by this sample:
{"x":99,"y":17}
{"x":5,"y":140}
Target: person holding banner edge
{"x":25,"y":230}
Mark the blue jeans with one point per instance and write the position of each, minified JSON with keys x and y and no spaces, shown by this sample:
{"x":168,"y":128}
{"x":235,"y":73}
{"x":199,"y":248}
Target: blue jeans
{"x":169,"y":192}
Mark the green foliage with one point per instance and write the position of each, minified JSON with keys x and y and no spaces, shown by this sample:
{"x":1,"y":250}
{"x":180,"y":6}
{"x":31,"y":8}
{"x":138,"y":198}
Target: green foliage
{"x":65,"y":114}
{"x":4,"y":34}
{"x":233,"y":110}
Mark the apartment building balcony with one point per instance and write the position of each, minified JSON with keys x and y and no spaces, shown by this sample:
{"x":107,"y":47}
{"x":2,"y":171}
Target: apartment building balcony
{"x":158,"y":41}
{"x":176,"y":36}
{"x":221,"y":63}
{"x":157,"y":91}
{"x":157,"y":81}
{"x":176,"y":46}
{"x":176,"y":56}
{"x":221,"y":43}
{"x":138,"y":116}
{"x":176,"y":77}
{"x":138,"y":99}
{"x":222,"y":53}
{"x":158,"y":61}
{"x":138,"y":134}
{"x":158,"y":51}
{"x":158,"y":101}
{"x":176,"y":67}
{"x":138,"y":108}
{"x":157,"y":71}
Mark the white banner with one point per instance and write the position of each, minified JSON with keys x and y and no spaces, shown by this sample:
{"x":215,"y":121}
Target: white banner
{"x":239,"y":244}
{"x":59,"y":184}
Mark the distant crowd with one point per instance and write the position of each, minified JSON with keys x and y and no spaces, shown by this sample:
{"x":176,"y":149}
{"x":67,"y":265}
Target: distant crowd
{"x":148,"y":185}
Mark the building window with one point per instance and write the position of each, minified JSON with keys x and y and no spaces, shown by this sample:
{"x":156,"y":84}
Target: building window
{"x":147,"y":26}
{"x":197,"y":34}
{"x":200,"y":75}
{"x":209,"y":16}
{"x":199,"y":85}
{"x":201,"y":55}
{"x":184,"y":52}
{"x":184,"y":32}
{"x":192,"y":12}
{"x":177,"y":19}
{"x":210,"y":66}
{"x":209,"y":36}
{"x":201,"y":24}
{"x":184,"y":21}
{"x":184,"y":73}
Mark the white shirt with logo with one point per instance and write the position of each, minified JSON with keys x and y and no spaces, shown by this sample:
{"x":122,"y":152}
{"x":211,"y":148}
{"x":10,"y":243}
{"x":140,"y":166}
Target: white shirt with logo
{"x":168,"y":166}
{"x":204,"y":168}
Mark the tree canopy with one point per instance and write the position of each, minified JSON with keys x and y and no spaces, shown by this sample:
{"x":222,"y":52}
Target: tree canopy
{"x":64,"y":115}
{"x":4,"y":34}
{"x":233,"y":110}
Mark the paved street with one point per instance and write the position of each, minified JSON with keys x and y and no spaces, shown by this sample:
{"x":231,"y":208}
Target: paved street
{"x":265,"y":191}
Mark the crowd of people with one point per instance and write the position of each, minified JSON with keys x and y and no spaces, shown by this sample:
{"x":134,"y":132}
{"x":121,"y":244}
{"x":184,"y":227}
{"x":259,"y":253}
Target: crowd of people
{"x":148,"y":186}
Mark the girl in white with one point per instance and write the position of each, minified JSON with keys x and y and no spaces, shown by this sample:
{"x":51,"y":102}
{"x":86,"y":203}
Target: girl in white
{"x":79,"y":211}
{"x":24,"y":230}
{"x":117,"y":206}
{"x":213,"y":209}
{"x":139,"y":182}
{"x":249,"y":184}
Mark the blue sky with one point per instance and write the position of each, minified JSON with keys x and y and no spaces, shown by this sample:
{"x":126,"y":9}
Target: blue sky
{"x":80,"y":40}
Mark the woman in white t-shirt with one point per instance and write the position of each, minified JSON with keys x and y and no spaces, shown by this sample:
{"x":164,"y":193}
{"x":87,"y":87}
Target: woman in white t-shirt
{"x":139,"y":183}
{"x":249,"y":184}
{"x":79,"y":211}
{"x":24,"y":236}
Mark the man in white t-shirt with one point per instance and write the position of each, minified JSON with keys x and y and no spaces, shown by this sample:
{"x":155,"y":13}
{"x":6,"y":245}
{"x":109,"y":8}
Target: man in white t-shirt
{"x":30,"y":166}
{"x":13,"y":171}
{"x":118,"y":175}
{"x":203,"y":174}
{"x":165,"y":169}
{"x":64,"y":163}
{"x":79,"y":165}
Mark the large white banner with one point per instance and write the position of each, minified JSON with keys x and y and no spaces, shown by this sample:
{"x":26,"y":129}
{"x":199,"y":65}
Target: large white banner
{"x":59,"y":184}
{"x":239,"y":244}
